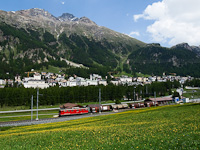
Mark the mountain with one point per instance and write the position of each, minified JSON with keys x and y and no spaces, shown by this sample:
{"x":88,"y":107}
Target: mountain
{"x":36,"y":39}
{"x":68,"y":17}
{"x":37,"y":19}
{"x":181,"y":59}
{"x":195,"y":49}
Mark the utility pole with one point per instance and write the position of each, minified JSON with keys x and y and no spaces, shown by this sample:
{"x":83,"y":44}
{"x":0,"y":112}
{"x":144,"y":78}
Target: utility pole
{"x":155,"y":97}
{"x":99,"y":100}
{"x":134,"y":93}
{"x":31,"y":107}
{"x":146,"y":89}
{"x":37,"y":103}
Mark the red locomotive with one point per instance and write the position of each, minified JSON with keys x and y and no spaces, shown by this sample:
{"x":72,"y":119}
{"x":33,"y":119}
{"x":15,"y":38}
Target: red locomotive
{"x":72,"y":109}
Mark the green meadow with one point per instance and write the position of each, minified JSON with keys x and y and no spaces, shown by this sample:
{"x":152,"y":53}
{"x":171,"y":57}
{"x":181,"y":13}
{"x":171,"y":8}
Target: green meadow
{"x":167,"y":127}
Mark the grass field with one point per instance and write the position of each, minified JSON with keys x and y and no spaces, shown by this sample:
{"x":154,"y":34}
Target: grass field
{"x":52,"y":69}
{"x":192,"y":94}
{"x":166,"y":127}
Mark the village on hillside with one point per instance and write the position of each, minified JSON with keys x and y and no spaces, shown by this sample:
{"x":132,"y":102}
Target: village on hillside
{"x":46,"y":79}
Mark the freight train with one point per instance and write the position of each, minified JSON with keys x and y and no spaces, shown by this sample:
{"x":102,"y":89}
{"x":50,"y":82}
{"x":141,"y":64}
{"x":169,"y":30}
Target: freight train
{"x":74,"y":109}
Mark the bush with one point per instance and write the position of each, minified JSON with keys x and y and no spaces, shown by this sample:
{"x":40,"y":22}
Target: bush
{"x":117,"y":101}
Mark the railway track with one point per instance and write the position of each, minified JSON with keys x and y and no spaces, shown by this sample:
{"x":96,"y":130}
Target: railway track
{"x":51,"y":120}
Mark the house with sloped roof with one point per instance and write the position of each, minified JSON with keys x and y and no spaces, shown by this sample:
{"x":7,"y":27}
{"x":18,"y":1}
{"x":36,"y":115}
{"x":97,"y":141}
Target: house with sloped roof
{"x":70,"y":106}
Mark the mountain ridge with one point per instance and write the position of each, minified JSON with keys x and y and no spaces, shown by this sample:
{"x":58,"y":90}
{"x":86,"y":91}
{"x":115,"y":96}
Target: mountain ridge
{"x":41,"y":18}
{"x":195,"y":49}
{"x":34,"y":38}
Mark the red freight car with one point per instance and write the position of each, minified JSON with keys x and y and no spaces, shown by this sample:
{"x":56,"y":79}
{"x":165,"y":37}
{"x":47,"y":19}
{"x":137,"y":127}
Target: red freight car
{"x":72,"y":111}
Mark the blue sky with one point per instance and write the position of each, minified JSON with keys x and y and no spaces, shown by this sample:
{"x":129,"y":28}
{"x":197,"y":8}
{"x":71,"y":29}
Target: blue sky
{"x":138,"y":17}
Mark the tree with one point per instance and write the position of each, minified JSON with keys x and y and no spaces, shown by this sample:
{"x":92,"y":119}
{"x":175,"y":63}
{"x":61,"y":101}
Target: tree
{"x":176,"y":94}
{"x":117,"y":101}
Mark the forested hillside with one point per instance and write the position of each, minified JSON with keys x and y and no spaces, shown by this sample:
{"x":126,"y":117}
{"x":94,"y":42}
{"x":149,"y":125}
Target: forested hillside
{"x":23,"y":50}
{"x":154,"y":59}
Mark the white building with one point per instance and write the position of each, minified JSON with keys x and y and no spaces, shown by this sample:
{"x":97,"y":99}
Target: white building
{"x":103,"y":82}
{"x":63,"y":84}
{"x":2,"y":82}
{"x":152,"y":79}
{"x":92,"y":82}
{"x":140,"y":79}
{"x":36,"y":84}
{"x":52,"y":84}
{"x":115,"y":82}
{"x":18,"y":79}
{"x":81,"y":81}
{"x":59,"y":79}
{"x":37,"y":76}
{"x":71,"y":83}
{"x":48,"y":75}
{"x":95,"y":77}
{"x":126,"y":79}
{"x":26,"y":79}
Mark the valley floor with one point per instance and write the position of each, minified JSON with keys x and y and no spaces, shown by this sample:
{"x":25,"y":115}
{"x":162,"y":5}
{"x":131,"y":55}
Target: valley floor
{"x":165,"y":127}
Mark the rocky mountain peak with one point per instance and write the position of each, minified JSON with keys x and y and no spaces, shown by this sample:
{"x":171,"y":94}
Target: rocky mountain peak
{"x":186,"y":46}
{"x":86,"y":20}
{"x":35,"y":12}
{"x":183,"y":45}
{"x":195,"y":49}
{"x":34,"y":19}
{"x":68,"y":17}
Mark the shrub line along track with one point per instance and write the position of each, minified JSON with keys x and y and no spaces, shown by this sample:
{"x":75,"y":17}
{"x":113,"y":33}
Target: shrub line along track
{"x":59,"y":119}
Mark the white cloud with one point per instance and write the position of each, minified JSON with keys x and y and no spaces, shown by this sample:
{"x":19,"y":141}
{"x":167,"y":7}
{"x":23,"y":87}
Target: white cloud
{"x":62,"y":3}
{"x":136,"y":17}
{"x":176,"y":21}
{"x":136,"y":33}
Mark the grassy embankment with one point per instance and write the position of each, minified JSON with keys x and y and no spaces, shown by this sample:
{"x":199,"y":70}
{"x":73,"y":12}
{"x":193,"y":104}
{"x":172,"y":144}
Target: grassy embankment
{"x":167,"y":127}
